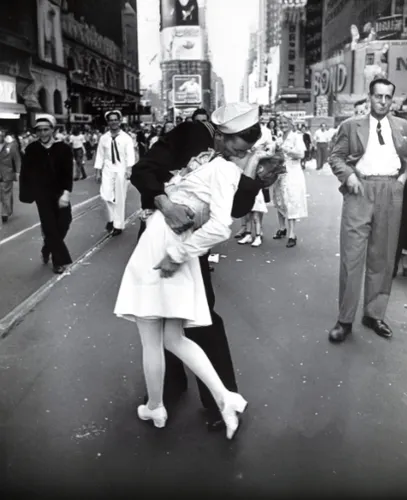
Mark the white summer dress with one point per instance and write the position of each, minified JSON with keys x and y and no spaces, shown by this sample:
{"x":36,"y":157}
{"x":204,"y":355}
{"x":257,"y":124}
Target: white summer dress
{"x":208,"y":188}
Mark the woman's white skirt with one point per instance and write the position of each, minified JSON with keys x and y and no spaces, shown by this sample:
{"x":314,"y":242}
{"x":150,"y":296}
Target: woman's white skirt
{"x":144,"y":294}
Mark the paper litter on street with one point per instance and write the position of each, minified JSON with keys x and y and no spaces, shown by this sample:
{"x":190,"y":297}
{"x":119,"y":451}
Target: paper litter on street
{"x":214,"y":258}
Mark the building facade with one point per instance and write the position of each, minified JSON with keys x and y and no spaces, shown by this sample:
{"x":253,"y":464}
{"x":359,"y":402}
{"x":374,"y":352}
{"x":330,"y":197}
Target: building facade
{"x":18,"y":46}
{"x":185,"y":65}
{"x":292,"y":94}
{"x":217,"y":92}
{"x":48,"y":68}
{"x":387,"y":17}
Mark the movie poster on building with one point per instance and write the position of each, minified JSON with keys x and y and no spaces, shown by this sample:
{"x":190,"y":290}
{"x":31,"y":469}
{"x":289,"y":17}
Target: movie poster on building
{"x":182,"y":44}
{"x":179,"y":13}
{"x":187,"y":90}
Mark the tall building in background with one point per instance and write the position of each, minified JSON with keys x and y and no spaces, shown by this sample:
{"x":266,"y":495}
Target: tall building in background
{"x":313,"y":37}
{"x":217,"y":91}
{"x":292,"y":95}
{"x":186,"y":70}
{"x":387,"y":18}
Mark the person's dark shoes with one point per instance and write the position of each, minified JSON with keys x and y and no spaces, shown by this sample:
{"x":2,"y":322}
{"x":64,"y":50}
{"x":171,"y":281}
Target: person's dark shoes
{"x":59,"y":269}
{"x":281,"y":233}
{"x":45,"y":257}
{"x":292,"y":242}
{"x":116,"y":232}
{"x":4,"y":218}
{"x":340,"y":331}
{"x":214,"y":421}
{"x":211,"y":269}
{"x":84,"y":176}
{"x":76,"y":178}
{"x":378,"y":326}
{"x":109,"y":226}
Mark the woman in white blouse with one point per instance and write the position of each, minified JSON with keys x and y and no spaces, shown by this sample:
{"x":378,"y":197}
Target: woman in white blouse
{"x":77,"y":141}
{"x":289,"y":192}
{"x":162,"y":289}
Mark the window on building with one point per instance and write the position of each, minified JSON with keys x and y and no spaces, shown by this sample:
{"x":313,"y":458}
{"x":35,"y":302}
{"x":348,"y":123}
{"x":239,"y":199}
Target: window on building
{"x":291,"y":37}
{"x":58,"y":110}
{"x":291,"y":55}
{"x":369,"y":59}
{"x":291,"y":82}
{"x":292,"y":28}
{"x":291,"y":68}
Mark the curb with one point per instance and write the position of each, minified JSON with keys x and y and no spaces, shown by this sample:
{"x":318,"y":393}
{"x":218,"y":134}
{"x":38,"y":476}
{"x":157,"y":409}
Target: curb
{"x":14,"y":317}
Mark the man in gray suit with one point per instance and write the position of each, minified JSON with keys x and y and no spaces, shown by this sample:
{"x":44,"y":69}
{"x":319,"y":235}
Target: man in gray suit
{"x":370,"y":160}
{"x":10,"y":163}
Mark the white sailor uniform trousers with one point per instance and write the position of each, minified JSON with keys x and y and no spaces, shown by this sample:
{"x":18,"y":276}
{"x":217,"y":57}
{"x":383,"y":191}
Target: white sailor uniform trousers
{"x":115,"y":155}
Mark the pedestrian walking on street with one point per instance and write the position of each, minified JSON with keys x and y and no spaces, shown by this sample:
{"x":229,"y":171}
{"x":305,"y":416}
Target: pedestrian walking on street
{"x":77,"y":141}
{"x":290,"y":191}
{"x":322,"y":137}
{"x":370,"y":160}
{"x":115,"y":158}
{"x":46,"y":179}
{"x":186,"y":141}
{"x":10,"y":164}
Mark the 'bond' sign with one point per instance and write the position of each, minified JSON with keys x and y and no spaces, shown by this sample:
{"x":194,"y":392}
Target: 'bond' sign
{"x":330,"y":80}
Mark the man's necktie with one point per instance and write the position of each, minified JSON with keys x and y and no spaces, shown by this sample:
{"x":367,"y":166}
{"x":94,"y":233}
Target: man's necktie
{"x":379,"y":133}
{"x":115,"y":150}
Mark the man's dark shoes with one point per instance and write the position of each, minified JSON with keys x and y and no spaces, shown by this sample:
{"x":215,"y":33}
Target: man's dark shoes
{"x":59,"y":269}
{"x":378,"y":326}
{"x":340,"y":331}
{"x":4,"y":218}
{"x":45,"y":257}
{"x":116,"y":232}
{"x":109,"y":226}
{"x":214,"y":421}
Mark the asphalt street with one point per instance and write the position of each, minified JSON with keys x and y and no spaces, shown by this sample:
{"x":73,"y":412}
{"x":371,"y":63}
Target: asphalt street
{"x":323,"y":420}
{"x":22,"y":272}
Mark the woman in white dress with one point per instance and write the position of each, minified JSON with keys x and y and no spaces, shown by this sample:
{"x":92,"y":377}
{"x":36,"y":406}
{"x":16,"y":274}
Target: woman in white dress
{"x":290,"y":192}
{"x":162,"y":288}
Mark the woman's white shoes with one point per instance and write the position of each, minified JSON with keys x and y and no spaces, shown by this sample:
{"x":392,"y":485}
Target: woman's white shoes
{"x":248,"y":238}
{"x":158,"y":416}
{"x":257,"y":241}
{"x":233,"y":405}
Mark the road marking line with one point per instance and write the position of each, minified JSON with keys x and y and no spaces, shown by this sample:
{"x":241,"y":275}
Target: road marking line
{"x":8,"y":322}
{"x":23,"y":231}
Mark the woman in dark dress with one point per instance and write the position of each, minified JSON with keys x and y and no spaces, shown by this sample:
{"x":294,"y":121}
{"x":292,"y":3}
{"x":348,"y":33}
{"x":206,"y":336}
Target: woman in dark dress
{"x":402,"y":247}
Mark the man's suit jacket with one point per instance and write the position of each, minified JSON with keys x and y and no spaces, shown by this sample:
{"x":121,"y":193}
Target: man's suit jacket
{"x":10,"y":162}
{"x":351,"y":143}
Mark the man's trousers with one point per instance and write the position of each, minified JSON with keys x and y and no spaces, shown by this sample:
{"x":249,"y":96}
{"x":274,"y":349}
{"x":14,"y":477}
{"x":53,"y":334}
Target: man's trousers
{"x":368,"y":240}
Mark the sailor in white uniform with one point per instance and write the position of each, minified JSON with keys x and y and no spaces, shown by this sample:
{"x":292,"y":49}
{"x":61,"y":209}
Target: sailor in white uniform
{"x":114,"y":162}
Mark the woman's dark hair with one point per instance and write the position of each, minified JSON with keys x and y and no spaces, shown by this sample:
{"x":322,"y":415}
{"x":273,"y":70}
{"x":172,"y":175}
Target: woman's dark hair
{"x":163,"y":131}
{"x":200,"y":111}
{"x":250,"y":135}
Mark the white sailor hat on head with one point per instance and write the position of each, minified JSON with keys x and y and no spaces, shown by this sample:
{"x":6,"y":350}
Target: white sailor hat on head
{"x":235,"y":117}
{"x":45,"y":119}
{"x":113,"y":112}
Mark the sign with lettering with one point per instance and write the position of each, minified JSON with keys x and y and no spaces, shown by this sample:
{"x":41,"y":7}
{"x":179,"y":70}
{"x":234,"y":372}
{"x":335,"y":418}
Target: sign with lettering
{"x":397,"y":70}
{"x":330,"y":80}
{"x":387,"y":26}
{"x":8,"y":92}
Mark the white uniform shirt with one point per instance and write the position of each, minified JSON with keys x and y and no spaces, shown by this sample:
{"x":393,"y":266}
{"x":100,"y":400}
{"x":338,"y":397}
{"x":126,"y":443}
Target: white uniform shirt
{"x":77,"y":141}
{"x":126,"y":152}
{"x":379,"y":159}
{"x":213,"y":184}
{"x":323,"y":136}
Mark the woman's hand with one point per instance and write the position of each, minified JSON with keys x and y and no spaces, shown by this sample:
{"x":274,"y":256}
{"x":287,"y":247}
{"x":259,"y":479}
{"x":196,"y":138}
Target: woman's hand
{"x":251,"y":168}
{"x":167,"y":267}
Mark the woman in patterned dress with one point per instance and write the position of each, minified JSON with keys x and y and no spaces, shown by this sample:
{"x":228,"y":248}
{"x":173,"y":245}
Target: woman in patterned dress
{"x":289,"y":192}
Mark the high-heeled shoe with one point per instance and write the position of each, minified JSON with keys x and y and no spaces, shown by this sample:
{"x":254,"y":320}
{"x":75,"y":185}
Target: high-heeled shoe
{"x":280,"y":234}
{"x":158,"y":416}
{"x":291,"y":242}
{"x":233,"y":404}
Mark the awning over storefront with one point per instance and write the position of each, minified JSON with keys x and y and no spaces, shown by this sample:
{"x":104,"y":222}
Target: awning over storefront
{"x":14,"y":108}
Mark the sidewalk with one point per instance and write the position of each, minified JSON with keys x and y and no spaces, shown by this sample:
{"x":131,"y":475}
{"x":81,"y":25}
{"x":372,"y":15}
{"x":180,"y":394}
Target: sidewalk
{"x":321,"y":418}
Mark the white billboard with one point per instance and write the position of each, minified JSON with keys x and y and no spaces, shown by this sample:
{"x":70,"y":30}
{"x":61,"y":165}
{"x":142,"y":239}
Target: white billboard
{"x":182,"y":43}
{"x":187,"y":89}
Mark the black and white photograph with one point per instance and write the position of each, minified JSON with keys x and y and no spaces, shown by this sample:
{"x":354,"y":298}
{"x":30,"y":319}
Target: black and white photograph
{"x":203,"y":249}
